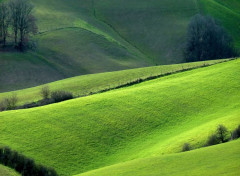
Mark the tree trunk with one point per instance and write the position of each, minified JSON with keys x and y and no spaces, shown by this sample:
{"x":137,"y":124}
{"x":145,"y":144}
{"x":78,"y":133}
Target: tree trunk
{"x":15,"y":38}
{"x":21,"y":40}
{"x":4,"y":40}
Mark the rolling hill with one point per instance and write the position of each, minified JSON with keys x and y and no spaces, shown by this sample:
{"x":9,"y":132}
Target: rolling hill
{"x":83,"y":37}
{"x":217,"y":160}
{"x":93,"y":83}
{"x":146,"y":120}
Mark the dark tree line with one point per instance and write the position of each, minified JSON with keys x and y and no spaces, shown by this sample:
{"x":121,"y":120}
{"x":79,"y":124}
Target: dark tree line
{"x":22,"y":164}
{"x":17,"y":16}
{"x":207,"y":40}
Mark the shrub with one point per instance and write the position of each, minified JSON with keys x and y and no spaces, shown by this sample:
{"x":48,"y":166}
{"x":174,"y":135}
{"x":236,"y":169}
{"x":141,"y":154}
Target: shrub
{"x":45,"y":92}
{"x":236,"y":133}
{"x":6,"y":156}
{"x":42,"y":170}
{"x":222,"y":133}
{"x":212,"y":140}
{"x":186,"y":147}
{"x":60,"y":95}
{"x":2,"y":106}
{"x":9,"y":103}
{"x":29,"y":167}
{"x":1,"y":155}
{"x":52,"y":172}
{"x":20,"y":163}
{"x":23,"y":165}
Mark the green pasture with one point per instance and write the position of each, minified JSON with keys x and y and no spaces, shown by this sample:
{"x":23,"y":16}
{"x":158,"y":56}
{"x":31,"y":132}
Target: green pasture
{"x":145,"y":120}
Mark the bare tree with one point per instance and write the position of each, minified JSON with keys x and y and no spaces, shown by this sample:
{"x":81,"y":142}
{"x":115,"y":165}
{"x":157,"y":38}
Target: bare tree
{"x":207,"y":39}
{"x":14,"y":10}
{"x":22,"y":20}
{"x":26,"y":21}
{"x":4,"y":21}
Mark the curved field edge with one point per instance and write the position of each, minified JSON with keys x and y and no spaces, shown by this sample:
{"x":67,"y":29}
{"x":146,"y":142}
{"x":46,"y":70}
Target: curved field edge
{"x":148,"y":119}
{"x":223,"y":159}
{"x":5,"y":171}
{"x":86,"y":84}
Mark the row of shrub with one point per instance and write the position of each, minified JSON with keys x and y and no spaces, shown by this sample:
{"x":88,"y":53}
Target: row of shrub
{"x":55,"y":96}
{"x":221,"y":135}
{"x":23,"y":165}
{"x":48,"y":97}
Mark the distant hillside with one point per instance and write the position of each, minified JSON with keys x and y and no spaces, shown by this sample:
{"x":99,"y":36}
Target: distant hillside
{"x":82,"y":37}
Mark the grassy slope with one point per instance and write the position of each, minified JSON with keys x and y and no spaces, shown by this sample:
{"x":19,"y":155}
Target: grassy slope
{"x":4,"y":171}
{"x":83,"y":85}
{"x":73,"y":43}
{"x":157,"y":28}
{"x":25,"y":70}
{"x":77,"y":51}
{"x":144,"y":120}
{"x":222,"y":159}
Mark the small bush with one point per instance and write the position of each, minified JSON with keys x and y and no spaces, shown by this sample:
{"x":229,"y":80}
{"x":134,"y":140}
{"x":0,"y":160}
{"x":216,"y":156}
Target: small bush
{"x":9,"y":103}
{"x":186,"y":147}
{"x":2,"y":106}
{"x":1,"y":155}
{"x":236,"y":133}
{"x":222,"y":133}
{"x":60,"y":95}
{"x":212,"y":140}
{"x":45,"y":92}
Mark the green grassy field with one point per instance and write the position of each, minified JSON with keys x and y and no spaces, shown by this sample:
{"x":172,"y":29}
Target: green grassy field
{"x":4,"y":171}
{"x":163,"y":25}
{"x":222,"y":159}
{"x":84,"y":85}
{"x":145,"y":120}
{"x":25,"y":70}
{"x":84,"y":37}
{"x":136,"y":130}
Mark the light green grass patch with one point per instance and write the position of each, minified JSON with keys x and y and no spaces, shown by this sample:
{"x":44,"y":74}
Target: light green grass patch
{"x":5,"y":171}
{"x":221,"y":159}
